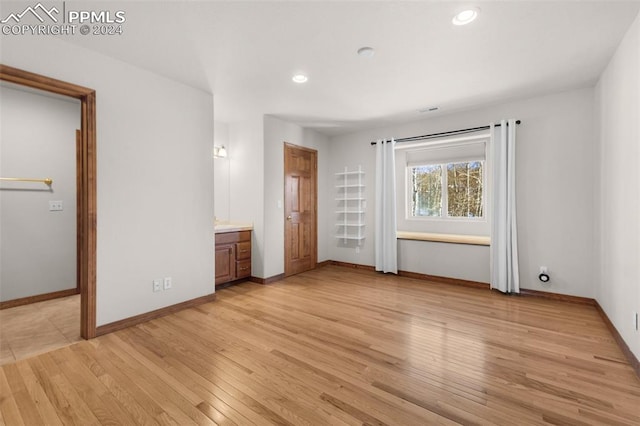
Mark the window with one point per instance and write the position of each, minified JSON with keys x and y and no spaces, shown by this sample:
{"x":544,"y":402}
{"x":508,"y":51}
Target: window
{"x":452,"y":190}
{"x":426,"y":190}
{"x":442,"y":186}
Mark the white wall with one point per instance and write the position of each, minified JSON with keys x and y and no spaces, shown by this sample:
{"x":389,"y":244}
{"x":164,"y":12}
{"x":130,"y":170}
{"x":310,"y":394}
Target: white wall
{"x":351,"y":151}
{"x":155,"y":176}
{"x":555,"y":181}
{"x":618,"y":111}
{"x":37,"y":140}
{"x":221,"y":173}
{"x":246,"y":188}
{"x":276,"y":132}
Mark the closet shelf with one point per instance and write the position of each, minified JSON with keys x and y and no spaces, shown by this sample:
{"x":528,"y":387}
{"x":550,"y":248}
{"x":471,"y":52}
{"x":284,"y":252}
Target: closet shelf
{"x":347,"y":173}
{"x":350,"y":186}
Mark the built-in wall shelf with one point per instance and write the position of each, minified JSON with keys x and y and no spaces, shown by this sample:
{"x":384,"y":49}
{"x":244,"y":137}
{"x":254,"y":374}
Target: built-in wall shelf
{"x":351,"y":205}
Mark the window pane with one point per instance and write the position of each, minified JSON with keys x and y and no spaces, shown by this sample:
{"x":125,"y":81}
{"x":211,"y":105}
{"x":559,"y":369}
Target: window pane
{"x":426,"y":192}
{"x":464,"y":189}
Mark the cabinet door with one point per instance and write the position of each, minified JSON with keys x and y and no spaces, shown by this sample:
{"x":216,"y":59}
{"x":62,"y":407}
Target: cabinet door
{"x":225,"y":263}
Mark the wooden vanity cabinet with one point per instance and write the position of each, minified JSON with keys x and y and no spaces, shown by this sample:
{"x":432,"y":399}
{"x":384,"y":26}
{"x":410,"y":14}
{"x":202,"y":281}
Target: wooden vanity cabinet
{"x":233,"y":256}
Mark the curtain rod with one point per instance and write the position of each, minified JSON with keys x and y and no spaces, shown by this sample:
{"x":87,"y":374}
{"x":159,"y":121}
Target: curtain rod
{"x":451,"y":132}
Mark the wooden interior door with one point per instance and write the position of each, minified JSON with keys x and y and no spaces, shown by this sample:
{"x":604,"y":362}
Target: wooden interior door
{"x":300,"y":201}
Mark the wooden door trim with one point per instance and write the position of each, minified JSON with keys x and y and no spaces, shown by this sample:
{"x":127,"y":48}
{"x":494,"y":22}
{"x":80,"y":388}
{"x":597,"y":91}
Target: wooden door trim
{"x":301,"y":148}
{"x":289,"y":146}
{"x":87,"y":178}
{"x":78,"y":208}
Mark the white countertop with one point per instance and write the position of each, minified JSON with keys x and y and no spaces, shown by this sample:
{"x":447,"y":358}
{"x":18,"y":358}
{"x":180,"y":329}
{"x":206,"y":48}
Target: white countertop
{"x":222,"y":227}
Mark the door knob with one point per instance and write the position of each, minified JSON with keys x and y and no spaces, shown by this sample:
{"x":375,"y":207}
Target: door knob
{"x":289,"y":217}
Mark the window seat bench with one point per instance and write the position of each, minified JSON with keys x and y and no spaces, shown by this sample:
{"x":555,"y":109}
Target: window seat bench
{"x":477,"y":240}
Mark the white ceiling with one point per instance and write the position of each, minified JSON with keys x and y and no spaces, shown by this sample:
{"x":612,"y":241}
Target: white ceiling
{"x":246,"y":52}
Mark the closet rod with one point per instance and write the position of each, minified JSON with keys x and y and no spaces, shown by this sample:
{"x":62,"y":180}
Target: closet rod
{"x":441,"y":134}
{"x":47,"y":181}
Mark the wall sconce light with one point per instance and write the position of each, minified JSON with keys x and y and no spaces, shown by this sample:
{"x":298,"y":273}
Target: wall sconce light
{"x":219,"y":151}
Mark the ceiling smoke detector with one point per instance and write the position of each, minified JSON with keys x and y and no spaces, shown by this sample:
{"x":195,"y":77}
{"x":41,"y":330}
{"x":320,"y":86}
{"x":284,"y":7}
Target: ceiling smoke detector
{"x":366,"y":52}
{"x":466,"y":16}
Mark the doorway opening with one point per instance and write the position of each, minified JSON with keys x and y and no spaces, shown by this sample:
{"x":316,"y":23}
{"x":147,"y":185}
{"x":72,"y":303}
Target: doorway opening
{"x":86,"y":184}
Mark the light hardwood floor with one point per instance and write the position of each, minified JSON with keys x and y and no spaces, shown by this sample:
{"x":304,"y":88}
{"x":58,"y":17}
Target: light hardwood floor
{"x":39,"y":327}
{"x":343,"y":347}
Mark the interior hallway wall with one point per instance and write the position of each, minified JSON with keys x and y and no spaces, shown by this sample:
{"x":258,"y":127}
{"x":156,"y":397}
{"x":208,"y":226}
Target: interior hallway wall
{"x":37,"y":140}
{"x":154,"y":176}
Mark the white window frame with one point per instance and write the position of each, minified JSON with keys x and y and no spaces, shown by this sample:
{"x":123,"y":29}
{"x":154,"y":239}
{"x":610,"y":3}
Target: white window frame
{"x":442,"y":225}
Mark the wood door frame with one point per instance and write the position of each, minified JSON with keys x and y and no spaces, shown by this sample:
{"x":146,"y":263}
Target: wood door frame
{"x":87,"y":178}
{"x":289,"y":146}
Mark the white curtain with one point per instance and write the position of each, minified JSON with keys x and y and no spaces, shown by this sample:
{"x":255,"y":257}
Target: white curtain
{"x":504,"y":235}
{"x":386,"y":248}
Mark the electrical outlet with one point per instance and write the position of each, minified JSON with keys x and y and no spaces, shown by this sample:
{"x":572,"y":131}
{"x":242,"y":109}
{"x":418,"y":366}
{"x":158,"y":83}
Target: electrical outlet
{"x":167,"y":283}
{"x":157,"y":285}
{"x":55,"y":206}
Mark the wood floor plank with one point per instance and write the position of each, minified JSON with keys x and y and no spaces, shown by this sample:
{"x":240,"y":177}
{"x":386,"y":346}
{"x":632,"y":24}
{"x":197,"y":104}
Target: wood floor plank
{"x":8,"y":407}
{"x":26,"y":405}
{"x":43,"y":404}
{"x":103,"y":405}
{"x":342,"y":347}
{"x":171,"y":400}
{"x":212,"y":395}
{"x":117,"y":386}
{"x":245,"y":381}
{"x":70,"y":408}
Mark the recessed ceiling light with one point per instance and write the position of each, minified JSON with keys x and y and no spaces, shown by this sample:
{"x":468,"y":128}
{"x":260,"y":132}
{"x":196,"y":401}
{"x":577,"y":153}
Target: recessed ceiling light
{"x":466,"y":16}
{"x":366,"y":52}
{"x":300,"y":78}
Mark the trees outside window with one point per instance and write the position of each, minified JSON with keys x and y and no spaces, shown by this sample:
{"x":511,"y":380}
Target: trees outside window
{"x":458,"y":192}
